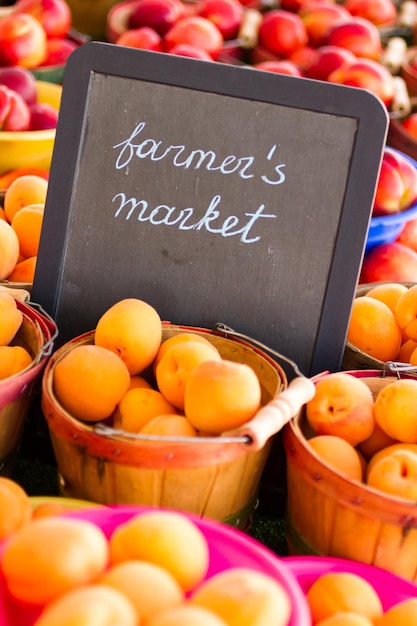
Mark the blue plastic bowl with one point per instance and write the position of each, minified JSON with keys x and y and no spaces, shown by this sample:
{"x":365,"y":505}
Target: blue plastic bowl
{"x":386,"y":228}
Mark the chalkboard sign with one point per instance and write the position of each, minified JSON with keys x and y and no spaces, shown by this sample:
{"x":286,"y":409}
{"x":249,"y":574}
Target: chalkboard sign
{"x":216,"y":193}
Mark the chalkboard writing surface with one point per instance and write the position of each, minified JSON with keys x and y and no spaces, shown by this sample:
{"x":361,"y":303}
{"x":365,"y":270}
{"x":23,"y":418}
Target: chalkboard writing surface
{"x":215,"y":193}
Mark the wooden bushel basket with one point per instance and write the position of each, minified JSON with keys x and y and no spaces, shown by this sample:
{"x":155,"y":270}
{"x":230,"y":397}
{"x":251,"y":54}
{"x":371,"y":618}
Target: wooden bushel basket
{"x":36,"y":334}
{"x":331,"y":515}
{"x":215,"y":477}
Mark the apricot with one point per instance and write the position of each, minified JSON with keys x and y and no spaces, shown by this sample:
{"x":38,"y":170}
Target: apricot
{"x":87,"y":605}
{"x":395,"y":410}
{"x":186,"y":615}
{"x":373,"y":328}
{"x":395,"y":473}
{"x":244,"y":597}
{"x":221,"y":395}
{"x":339,"y":454}
{"x":15,"y":506}
{"x":175,"y":366}
{"x":406,"y":313}
{"x":388,"y":293}
{"x":138,"y":406}
{"x":132,"y":329}
{"x":169,"y":426}
{"x":335,"y":592}
{"x":27,"y":224}
{"x":378,"y":440}
{"x":9,"y":249}
{"x":345,"y":619}
{"x":23,"y":191}
{"x":137,"y":381}
{"x":406,"y":350}
{"x":387,"y":451}
{"x":343,"y":407}
{"x":51,"y":555}
{"x":89,"y":381}
{"x":11,"y":318}
{"x":166,"y":538}
{"x":24,"y":271}
{"x":403,"y":613}
{"x":13,"y":359}
{"x":149,"y":587}
{"x":174,"y":340}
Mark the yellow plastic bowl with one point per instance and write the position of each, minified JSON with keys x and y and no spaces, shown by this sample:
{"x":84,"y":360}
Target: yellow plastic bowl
{"x":30,"y":148}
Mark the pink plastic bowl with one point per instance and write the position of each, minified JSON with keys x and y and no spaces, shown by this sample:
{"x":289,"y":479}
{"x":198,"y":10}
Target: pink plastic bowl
{"x":390,"y":588}
{"x":228,"y":548}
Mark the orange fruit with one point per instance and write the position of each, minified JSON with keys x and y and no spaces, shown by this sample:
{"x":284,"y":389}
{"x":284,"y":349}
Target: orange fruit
{"x":9,"y":249}
{"x":166,"y":538}
{"x":27,"y":224}
{"x":403,"y":613}
{"x":342,"y":406}
{"x":89,"y":605}
{"x":339,"y":454}
{"x":175,"y":366}
{"x":388,"y":293}
{"x":15,"y":506}
{"x":406,"y":313}
{"x":24,"y":190}
{"x":186,"y":615}
{"x":149,"y":587}
{"x":138,"y":406}
{"x":132,"y":329}
{"x":335,"y":592}
{"x":169,"y":426}
{"x":51,"y":555}
{"x":243,"y":597}
{"x":373,"y":328}
{"x":10,"y":318}
{"x":24,"y":271}
{"x":395,"y":410}
{"x":221,"y":395}
{"x":13,"y":359}
{"x":89,"y":381}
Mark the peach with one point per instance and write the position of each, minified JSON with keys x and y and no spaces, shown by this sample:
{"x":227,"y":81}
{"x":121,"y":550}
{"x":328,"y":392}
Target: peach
{"x":197,"y":31}
{"x":279,"y":67}
{"x":408,"y":173}
{"x":328,"y":59}
{"x":303,"y":57}
{"x":379,"y":12}
{"x":396,"y":474}
{"x":358,"y":35}
{"x":22,"y":40}
{"x":58,"y":50}
{"x":343,"y":407}
{"x":395,"y":410}
{"x":193,"y":52}
{"x":390,"y":189}
{"x":143,"y":37}
{"x":43,"y":116}
{"x":227,"y":15}
{"x":16,"y":116}
{"x":410,"y":124}
{"x":282,"y":32}
{"x":21,"y":80}
{"x":392,"y":262}
{"x":408,"y":235}
{"x":9,"y":249}
{"x":367,"y":74}
{"x":54,"y":15}
{"x":406,"y":312}
{"x":160,"y":15}
{"x":318,"y":16}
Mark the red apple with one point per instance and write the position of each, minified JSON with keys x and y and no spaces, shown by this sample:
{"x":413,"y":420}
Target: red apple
{"x":58,"y":50}
{"x":186,"y":50}
{"x":227,"y":15}
{"x":18,"y":115}
{"x":408,"y":173}
{"x":282,"y":32}
{"x":328,"y":59}
{"x":318,"y":16}
{"x":379,"y":12}
{"x":390,"y":190}
{"x":54,"y":15}
{"x":196,"y":31}
{"x":160,"y":15}
{"x":22,"y":41}
{"x":408,"y":235}
{"x":21,"y":80}
{"x":279,"y":67}
{"x":410,"y":124}
{"x":357,"y":35}
{"x":144,"y":37}
{"x":43,"y":116}
{"x":390,"y":262}
{"x":366,"y":74}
